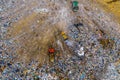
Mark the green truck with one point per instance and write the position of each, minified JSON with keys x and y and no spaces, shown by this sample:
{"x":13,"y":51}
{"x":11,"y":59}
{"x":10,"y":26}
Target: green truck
{"x":75,"y":6}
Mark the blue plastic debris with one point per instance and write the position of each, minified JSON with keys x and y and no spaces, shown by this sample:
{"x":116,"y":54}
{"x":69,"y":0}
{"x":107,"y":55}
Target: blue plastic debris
{"x":9,"y":64}
{"x":17,"y":70}
{"x":82,"y":77}
{"x":7,"y":24}
{"x":2,"y":62}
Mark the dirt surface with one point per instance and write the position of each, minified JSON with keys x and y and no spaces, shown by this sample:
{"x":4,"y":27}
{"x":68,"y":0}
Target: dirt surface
{"x":112,"y":7}
{"x":38,"y":30}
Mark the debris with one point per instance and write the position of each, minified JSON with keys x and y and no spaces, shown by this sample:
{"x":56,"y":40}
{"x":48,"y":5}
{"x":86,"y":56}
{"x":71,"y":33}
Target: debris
{"x":43,"y":10}
{"x":81,"y":52}
{"x":106,"y":43}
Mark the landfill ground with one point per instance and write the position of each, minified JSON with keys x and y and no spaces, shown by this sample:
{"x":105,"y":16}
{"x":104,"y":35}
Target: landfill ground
{"x":89,"y":49}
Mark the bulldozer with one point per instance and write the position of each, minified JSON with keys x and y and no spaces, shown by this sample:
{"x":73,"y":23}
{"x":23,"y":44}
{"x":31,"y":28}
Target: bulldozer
{"x":64,"y":35}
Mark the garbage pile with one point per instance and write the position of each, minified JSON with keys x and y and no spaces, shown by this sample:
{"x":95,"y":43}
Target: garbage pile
{"x":93,"y":53}
{"x":90,"y":57}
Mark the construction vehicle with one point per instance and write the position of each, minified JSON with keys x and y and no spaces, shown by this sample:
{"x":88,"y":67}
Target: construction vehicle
{"x":75,"y":6}
{"x":51,"y":54}
{"x":64,"y":35}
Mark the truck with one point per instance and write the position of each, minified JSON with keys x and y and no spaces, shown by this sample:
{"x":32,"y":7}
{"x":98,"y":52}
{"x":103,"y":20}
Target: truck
{"x":51,"y":54}
{"x":75,"y":6}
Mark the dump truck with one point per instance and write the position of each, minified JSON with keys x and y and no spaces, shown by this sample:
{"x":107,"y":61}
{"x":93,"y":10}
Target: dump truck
{"x":51,"y":54}
{"x":75,"y":7}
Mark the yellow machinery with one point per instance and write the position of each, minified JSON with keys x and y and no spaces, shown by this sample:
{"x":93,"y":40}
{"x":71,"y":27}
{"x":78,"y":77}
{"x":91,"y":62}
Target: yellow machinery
{"x":64,"y":35}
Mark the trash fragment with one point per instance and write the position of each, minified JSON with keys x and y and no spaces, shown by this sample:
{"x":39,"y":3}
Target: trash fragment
{"x":106,"y":43}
